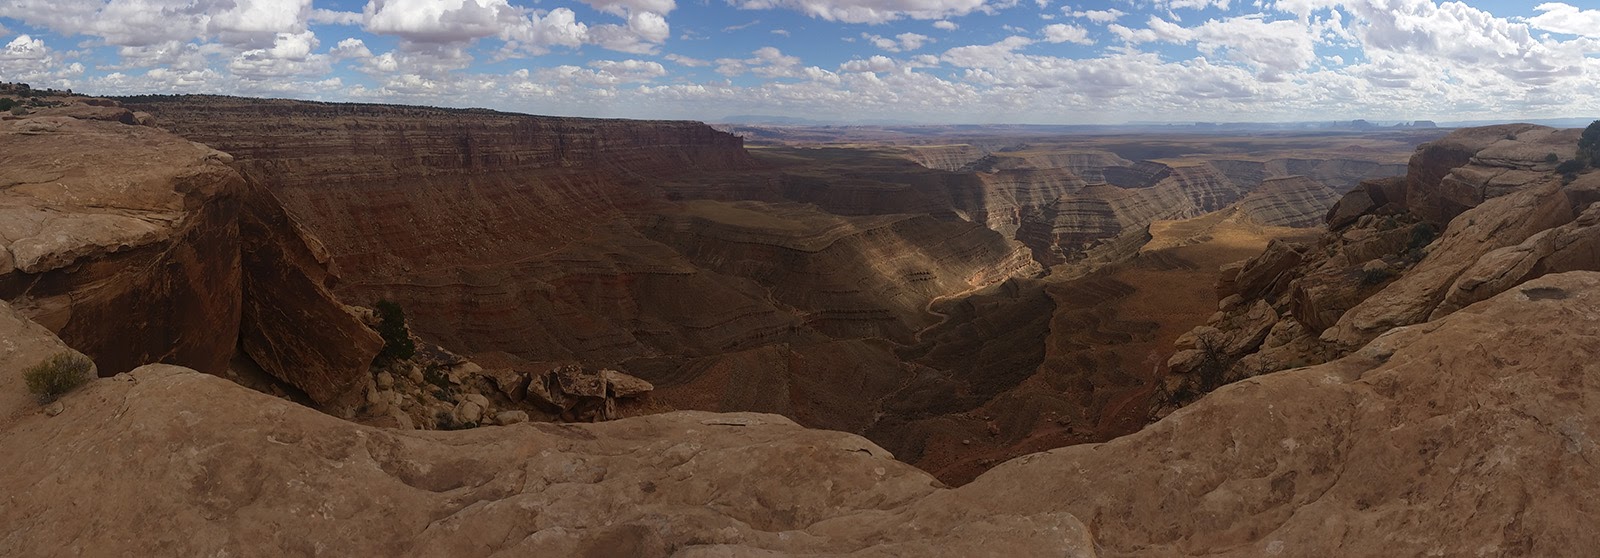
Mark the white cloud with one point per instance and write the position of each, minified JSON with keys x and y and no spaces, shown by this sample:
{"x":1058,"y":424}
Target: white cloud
{"x":687,"y":61}
{"x":900,"y":43}
{"x":24,"y":47}
{"x":1063,"y":33}
{"x":332,"y":17}
{"x":945,"y":25}
{"x":868,"y":11}
{"x":625,"y":8}
{"x":877,"y":63}
{"x":350,"y":48}
{"x":435,"y":20}
{"x":767,"y":62}
{"x":1563,"y":18}
{"x":1097,"y":16}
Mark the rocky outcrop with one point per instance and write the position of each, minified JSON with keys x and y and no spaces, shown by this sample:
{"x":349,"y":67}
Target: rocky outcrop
{"x":1510,"y":219}
{"x":120,"y":237}
{"x":285,"y":280}
{"x":1410,"y":446}
{"x":137,"y":246}
{"x":23,"y":343}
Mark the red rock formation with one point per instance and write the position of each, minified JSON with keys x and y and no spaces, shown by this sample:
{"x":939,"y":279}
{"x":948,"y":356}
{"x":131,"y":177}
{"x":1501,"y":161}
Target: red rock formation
{"x":122,"y":239}
{"x":142,"y":247}
{"x":1410,"y":447}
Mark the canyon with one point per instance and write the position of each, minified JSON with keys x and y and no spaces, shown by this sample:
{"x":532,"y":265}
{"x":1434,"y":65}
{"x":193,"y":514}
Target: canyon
{"x":1019,"y":343}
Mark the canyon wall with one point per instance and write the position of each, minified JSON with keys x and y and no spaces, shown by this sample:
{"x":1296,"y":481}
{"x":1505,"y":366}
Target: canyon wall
{"x":553,"y":239}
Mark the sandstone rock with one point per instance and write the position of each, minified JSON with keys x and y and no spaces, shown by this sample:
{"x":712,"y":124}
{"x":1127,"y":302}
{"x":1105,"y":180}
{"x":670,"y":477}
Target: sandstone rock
{"x":23,"y":343}
{"x":1412,"y":298}
{"x":122,"y":240}
{"x":385,"y":380}
{"x":1410,"y":446}
{"x":54,"y":408}
{"x":286,"y":279}
{"x":467,"y":412}
{"x":624,"y":385}
{"x":511,"y":417}
{"x":1265,"y":274}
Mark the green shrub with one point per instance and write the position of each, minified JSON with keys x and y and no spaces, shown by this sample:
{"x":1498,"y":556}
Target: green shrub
{"x":397,"y":343}
{"x":1552,"y":158}
{"x":6,"y":103}
{"x":57,"y":375}
{"x":1589,"y":145}
{"x":1569,"y":166}
{"x":1375,"y":276}
{"x":1422,"y":234}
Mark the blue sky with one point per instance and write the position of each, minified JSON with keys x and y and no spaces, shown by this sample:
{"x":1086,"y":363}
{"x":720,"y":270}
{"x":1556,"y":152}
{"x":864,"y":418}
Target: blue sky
{"x":935,"y":61}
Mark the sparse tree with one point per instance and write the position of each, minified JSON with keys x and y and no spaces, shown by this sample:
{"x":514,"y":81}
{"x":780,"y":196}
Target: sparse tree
{"x":1589,"y":145}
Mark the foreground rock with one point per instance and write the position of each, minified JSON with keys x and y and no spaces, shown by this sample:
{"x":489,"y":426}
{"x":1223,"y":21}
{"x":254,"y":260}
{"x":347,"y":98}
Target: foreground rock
{"x":1462,"y":436}
{"x":1479,"y":211}
{"x":137,"y":246}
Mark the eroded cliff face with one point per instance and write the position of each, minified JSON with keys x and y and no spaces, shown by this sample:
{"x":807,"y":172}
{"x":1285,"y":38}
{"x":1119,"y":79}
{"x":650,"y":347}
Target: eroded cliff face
{"x":137,"y":246}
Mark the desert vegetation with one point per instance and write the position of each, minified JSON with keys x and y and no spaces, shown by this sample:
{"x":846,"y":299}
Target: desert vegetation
{"x":57,"y":375}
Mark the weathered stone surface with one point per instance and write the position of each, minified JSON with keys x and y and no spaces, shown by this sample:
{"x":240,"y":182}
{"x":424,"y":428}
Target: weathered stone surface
{"x":1267,"y":274}
{"x":122,"y":239}
{"x":1449,"y":438}
{"x":285,"y":281}
{"x":23,"y":343}
{"x":138,"y":246}
{"x":1412,"y":298}
{"x":1411,"y":446}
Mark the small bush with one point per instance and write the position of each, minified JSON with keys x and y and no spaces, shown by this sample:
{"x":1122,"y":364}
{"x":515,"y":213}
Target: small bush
{"x":1375,"y":276}
{"x":397,"y":343}
{"x":1589,"y":145}
{"x":1552,"y":158}
{"x":6,"y":103}
{"x":1569,"y":166}
{"x":57,"y":375}
{"x":1422,"y":234}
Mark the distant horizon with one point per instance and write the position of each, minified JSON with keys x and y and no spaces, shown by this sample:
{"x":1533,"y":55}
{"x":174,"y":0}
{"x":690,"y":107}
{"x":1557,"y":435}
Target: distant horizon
{"x":1051,"y":62}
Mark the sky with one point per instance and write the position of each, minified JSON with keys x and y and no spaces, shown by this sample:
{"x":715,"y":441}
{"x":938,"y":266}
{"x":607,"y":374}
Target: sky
{"x":923,"y":61}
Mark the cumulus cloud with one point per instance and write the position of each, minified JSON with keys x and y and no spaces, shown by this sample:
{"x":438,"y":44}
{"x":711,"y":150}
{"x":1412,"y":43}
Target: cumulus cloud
{"x":1097,"y":16}
{"x":148,"y":22}
{"x":1562,"y":18}
{"x":1063,"y":33}
{"x":332,"y":17}
{"x":767,"y":62}
{"x":868,"y":11}
{"x":945,"y":25}
{"x":24,"y":47}
{"x":900,"y":43}
{"x":687,"y":61}
{"x":435,"y":20}
{"x":877,"y":63}
{"x":350,"y":48}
